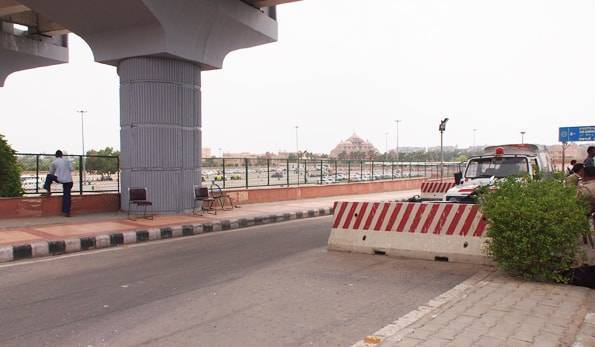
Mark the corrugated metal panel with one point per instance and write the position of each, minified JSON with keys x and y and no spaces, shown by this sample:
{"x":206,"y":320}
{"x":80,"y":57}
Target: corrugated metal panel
{"x":160,"y":135}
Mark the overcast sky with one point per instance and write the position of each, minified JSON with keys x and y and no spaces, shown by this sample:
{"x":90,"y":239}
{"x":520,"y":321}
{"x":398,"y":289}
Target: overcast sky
{"x":341,"y":67}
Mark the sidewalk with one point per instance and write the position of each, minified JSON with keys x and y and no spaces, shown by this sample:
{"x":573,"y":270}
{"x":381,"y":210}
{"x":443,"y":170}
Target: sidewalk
{"x":14,"y":232}
{"x":492,"y":309}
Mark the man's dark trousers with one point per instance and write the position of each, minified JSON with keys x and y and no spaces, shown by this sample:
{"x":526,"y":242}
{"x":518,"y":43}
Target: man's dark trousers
{"x":49,"y":179}
{"x":66,"y":188}
{"x":66,"y":200}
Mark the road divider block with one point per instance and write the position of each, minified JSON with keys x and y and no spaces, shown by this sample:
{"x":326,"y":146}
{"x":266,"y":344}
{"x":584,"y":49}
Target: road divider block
{"x":6,"y":254}
{"x":130,"y":237}
{"x":102,"y":241}
{"x":436,"y":231}
{"x":72,"y":245}
{"x":435,"y":190}
{"x":40,"y":249}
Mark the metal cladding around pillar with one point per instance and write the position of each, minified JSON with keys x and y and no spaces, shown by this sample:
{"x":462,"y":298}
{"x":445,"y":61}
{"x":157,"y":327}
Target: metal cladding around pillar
{"x":434,"y":231}
{"x":160,"y":119}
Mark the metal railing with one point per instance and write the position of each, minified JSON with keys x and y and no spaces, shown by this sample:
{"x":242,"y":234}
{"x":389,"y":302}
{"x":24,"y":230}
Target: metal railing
{"x":92,"y":173}
{"x":262,"y":172}
{"x":100,"y":174}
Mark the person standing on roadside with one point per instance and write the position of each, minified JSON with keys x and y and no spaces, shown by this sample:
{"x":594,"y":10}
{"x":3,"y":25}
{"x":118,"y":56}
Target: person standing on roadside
{"x":578,"y":171}
{"x":586,"y":189}
{"x":61,"y":172}
{"x":589,"y":162}
{"x":570,"y":166}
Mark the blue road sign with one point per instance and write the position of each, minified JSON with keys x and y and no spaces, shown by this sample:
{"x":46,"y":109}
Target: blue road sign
{"x":573,"y":134}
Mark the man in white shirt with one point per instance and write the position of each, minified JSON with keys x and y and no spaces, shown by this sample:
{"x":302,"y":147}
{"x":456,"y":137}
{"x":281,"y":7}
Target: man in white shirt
{"x":61,"y":172}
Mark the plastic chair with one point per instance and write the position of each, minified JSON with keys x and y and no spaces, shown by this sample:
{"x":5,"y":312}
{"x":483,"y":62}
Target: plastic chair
{"x":218,"y":194}
{"x":202,"y":195}
{"x":138,"y":196}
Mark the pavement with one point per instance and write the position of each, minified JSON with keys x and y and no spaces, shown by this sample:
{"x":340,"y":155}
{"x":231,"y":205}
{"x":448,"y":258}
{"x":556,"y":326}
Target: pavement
{"x":21,"y":231}
{"x":267,"y":285}
{"x":492,"y":309}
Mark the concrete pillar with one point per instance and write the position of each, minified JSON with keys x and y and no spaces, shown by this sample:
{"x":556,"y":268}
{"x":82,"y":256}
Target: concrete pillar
{"x":160,"y":135}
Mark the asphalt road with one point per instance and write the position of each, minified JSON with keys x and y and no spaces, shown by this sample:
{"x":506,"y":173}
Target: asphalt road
{"x":261,"y":286}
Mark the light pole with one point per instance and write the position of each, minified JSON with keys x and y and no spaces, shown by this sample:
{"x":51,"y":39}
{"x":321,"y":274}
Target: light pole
{"x":442,"y":129}
{"x":523,"y":137}
{"x":386,"y":142}
{"x":297,"y":154}
{"x":82,"y":112}
{"x":297,"y":143}
{"x":397,"y":121}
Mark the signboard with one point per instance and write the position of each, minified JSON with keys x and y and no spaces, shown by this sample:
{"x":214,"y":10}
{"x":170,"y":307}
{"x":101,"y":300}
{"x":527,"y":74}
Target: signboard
{"x":572,"y":134}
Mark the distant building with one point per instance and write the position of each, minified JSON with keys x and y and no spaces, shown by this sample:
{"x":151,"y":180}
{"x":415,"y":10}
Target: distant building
{"x":354,"y":144}
{"x":573,"y":151}
{"x":206,"y":152}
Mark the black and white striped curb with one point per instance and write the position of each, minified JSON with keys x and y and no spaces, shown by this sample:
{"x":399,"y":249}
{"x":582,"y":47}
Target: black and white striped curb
{"x":48,"y":248}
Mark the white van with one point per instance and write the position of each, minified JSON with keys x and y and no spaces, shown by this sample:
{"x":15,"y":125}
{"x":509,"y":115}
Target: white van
{"x":499,"y":162}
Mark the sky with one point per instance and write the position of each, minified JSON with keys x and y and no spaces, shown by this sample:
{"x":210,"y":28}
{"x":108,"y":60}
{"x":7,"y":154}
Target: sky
{"x":339,"y":67}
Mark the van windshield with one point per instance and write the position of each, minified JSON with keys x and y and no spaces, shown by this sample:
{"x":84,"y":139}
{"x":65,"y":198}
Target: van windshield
{"x":498,"y":167}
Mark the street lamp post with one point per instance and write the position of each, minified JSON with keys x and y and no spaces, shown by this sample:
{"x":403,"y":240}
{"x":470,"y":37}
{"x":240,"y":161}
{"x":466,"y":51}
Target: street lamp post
{"x":297,"y":154}
{"x":442,"y":129}
{"x":386,"y":143}
{"x":82,"y":112}
{"x":297,"y":143}
{"x":397,"y":121}
{"x":523,"y":137}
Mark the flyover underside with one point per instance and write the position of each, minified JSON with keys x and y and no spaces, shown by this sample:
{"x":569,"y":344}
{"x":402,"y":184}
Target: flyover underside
{"x":160,"y":132}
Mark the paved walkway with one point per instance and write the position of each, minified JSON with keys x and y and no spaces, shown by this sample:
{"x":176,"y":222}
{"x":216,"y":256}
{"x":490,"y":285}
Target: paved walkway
{"x":497,"y":311}
{"x":27,"y":230}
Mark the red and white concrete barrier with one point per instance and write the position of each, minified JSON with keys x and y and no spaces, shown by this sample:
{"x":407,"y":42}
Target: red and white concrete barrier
{"x":409,"y":229}
{"x":435,"y":190}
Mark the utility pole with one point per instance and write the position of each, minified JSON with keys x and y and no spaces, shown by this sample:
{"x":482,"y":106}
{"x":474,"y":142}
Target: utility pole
{"x":397,"y":121}
{"x":82,"y":112}
{"x":297,"y":143}
{"x":386,"y":143}
{"x":442,"y":129}
{"x":297,"y":154}
{"x":523,"y":137}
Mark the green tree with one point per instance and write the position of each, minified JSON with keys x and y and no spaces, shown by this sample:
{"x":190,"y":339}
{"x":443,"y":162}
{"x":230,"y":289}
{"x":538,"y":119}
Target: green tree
{"x":102,"y":165}
{"x":461,"y":158}
{"x":10,"y":173}
{"x":534,"y":227}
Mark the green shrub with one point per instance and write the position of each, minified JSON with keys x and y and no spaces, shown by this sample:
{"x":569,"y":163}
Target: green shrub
{"x":10,"y":173}
{"x":534,"y":227}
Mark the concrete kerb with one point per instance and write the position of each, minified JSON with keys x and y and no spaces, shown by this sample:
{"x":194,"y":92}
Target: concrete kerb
{"x":396,"y":330}
{"x":40,"y":249}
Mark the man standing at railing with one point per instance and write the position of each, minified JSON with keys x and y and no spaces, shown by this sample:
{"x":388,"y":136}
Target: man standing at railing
{"x":61,"y":172}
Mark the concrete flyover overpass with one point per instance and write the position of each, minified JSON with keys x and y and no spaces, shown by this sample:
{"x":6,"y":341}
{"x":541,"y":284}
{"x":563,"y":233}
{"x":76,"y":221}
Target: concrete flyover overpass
{"x":160,"y":48}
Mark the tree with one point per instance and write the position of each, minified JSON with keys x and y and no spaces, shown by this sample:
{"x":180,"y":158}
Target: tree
{"x":461,"y":158}
{"x":10,"y":173}
{"x":102,"y":165}
{"x":534,"y":227}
